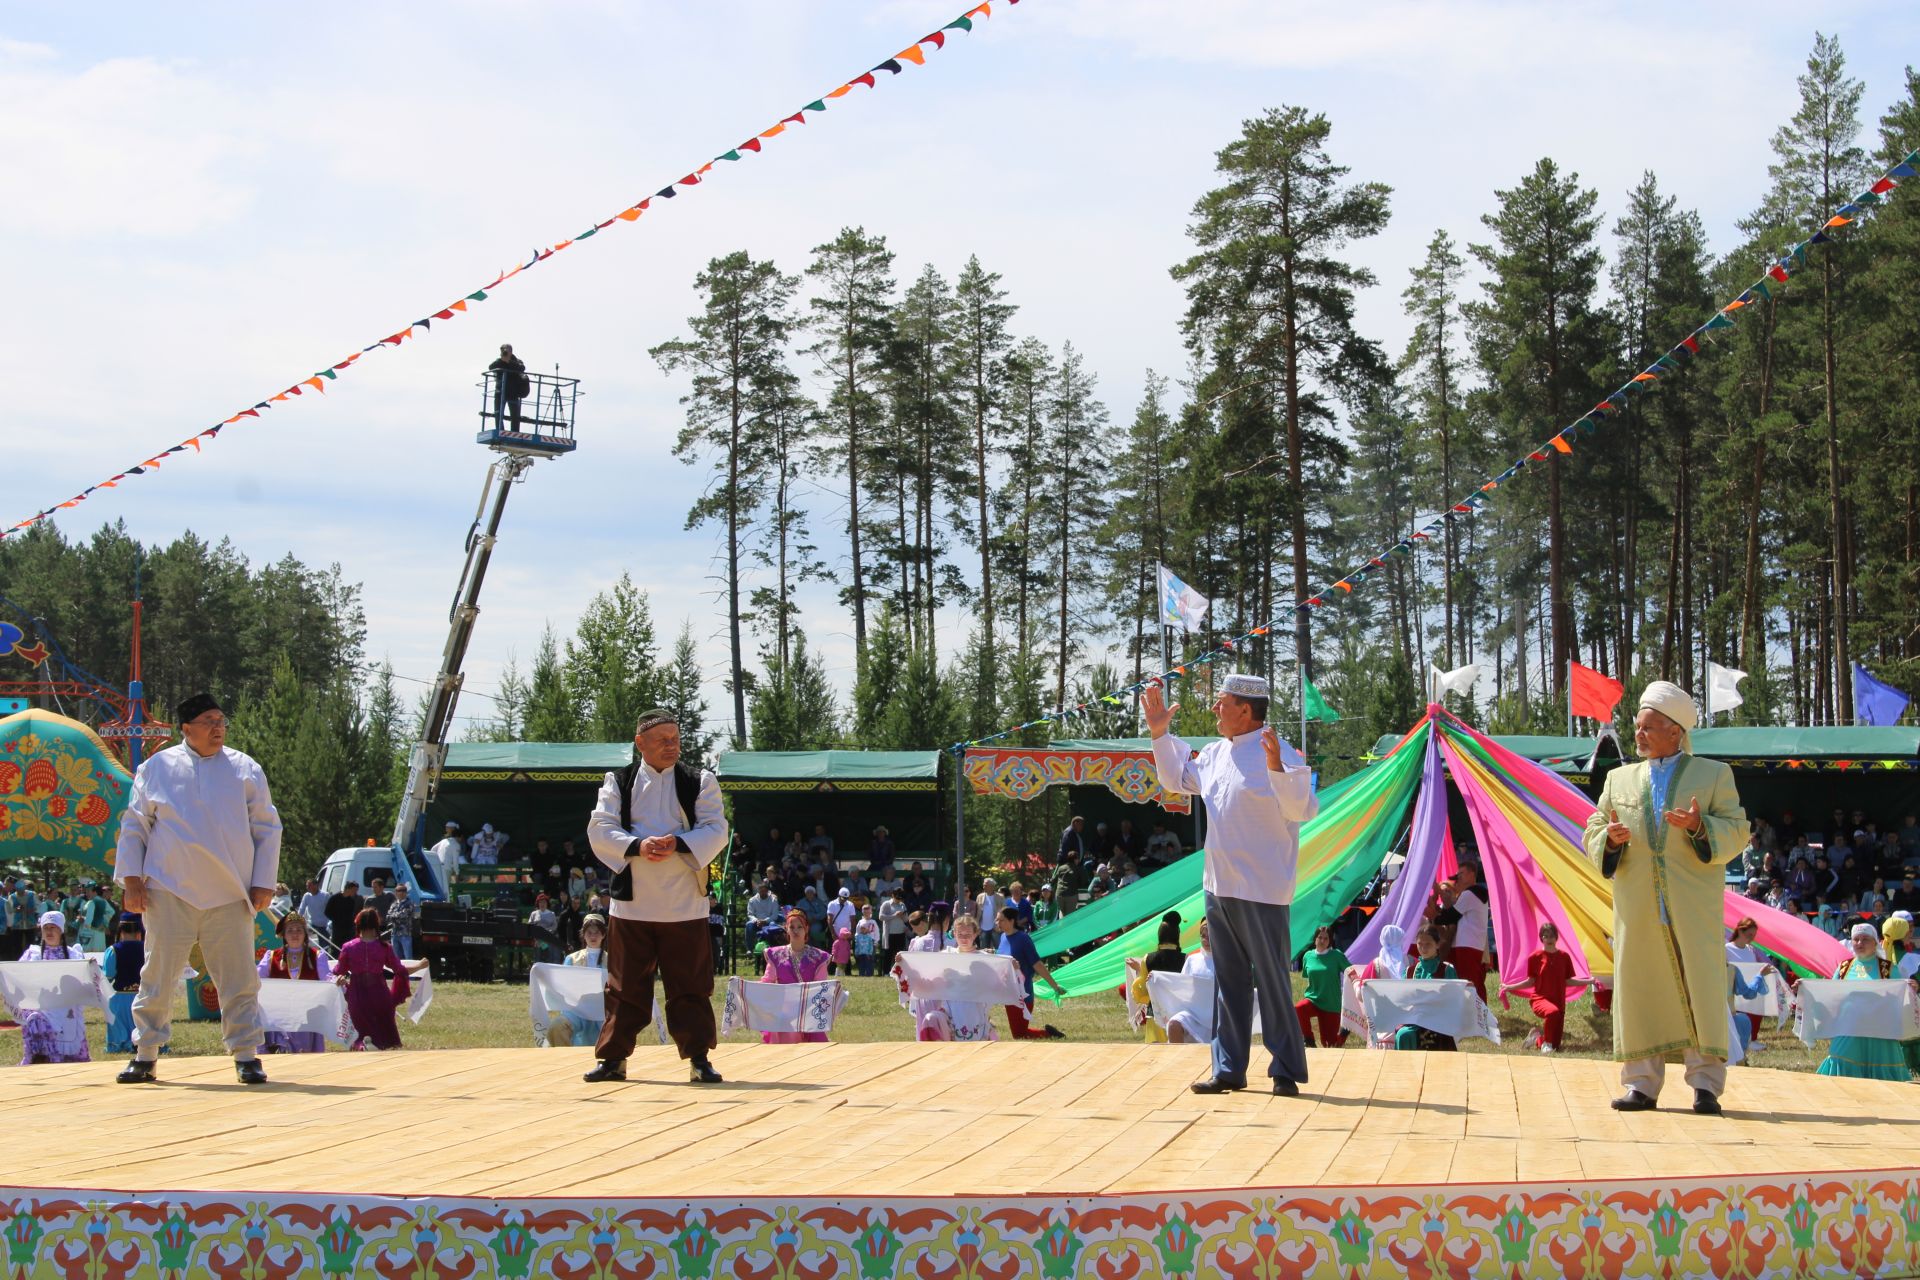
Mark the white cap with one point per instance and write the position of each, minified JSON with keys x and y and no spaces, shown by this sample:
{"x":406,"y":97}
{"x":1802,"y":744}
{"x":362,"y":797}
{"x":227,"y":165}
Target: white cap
{"x":55,"y":918}
{"x":1245,"y":686}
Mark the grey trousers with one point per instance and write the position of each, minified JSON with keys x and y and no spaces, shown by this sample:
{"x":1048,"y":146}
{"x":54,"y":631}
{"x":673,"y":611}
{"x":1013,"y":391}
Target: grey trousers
{"x":1251,"y":943}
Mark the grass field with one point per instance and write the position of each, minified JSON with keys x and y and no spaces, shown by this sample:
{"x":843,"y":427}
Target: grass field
{"x":470,"y":1016}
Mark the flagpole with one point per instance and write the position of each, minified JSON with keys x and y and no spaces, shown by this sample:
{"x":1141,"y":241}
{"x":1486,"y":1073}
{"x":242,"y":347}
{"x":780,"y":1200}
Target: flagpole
{"x":1569,"y":697}
{"x":1303,"y":708}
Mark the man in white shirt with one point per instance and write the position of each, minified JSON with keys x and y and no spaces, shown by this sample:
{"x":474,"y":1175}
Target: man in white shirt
{"x":989,"y":903}
{"x":1470,"y":935}
{"x":841,"y":914}
{"x":198,"y":856}
{"x":486,"y":846}
{"x":658,"y":825}
{"x":1256,"y":801}
{"x":313,"y":909}
{"x":447,"y":855}
{"x":763,"y":909}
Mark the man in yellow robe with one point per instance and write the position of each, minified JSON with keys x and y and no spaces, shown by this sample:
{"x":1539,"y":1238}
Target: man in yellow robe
{"x":1663,"y":832}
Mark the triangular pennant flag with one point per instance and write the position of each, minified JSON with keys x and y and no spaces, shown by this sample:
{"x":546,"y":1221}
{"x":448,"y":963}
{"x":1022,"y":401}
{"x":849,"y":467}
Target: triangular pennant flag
{"x":817,"y":104}
{"x":963,"y":23}
{"x":889,"y":65}
{"x":914,"y":54}
{"x":865,"y":78}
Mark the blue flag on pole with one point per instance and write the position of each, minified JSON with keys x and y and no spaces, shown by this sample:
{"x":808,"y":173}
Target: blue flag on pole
{"x":1874,"y":701}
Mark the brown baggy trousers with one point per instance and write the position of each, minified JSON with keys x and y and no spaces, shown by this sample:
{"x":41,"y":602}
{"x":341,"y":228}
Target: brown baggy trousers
{"x":682,"y":952}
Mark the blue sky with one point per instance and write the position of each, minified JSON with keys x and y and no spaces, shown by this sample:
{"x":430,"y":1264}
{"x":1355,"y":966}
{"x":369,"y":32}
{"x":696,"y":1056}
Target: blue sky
{"x":209,"y":202}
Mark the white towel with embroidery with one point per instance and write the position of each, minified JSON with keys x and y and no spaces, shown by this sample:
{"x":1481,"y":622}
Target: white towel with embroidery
{"x":802,"y":1007}
{"x":1445,"y":1005}
{"x":1881,"y":1008}
{"x":1771,"y":1003}
{"x":971,"y":977}
{"x":554,"y":989}
{"x":1188,"y":997}
{"x":420,"y":993}
{"x":51,"y":985}
{"x":294,"y":1005}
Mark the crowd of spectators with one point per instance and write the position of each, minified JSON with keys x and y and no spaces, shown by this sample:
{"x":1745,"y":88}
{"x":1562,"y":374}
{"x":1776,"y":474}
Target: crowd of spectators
{"x":1835,"y":871}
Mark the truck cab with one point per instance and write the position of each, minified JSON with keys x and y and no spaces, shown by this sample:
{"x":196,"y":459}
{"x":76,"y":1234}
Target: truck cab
{"x":362,"y":863}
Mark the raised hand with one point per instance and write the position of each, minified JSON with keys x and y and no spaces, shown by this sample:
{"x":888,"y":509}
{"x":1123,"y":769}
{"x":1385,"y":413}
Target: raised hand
{"x":1153,"y":705}
{"x":1687,"y":819}
{"x":1271,"y":741}
{"x":1617,"y":831}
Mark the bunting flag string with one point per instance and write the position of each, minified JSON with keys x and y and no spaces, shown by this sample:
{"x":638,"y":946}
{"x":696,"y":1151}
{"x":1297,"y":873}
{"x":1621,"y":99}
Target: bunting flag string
{"x":316,"y":382}
{"x":1562,"y":441}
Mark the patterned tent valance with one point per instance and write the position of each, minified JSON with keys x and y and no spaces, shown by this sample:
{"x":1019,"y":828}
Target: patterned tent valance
{"x":1024,"y":772}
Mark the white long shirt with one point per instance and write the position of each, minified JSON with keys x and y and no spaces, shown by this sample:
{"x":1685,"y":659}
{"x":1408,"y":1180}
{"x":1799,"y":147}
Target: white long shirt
{"x":674,"y":888}
{"x":1471,"y":932}
{"x":1253,"y":813}
{"x":201,"y":827}
{"x":447,"y":856}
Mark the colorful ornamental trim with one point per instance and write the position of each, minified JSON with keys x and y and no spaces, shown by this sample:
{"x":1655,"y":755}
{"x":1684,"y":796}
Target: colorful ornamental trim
{"x":1024,"y":772}
{"x":1859,"y":1225}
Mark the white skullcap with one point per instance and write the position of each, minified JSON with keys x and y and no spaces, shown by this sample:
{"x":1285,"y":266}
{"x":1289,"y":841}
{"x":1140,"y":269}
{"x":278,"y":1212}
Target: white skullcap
{"x":55,"y":918}
{"x":1244,"y":686}
{"x":1904,"y":915}
{"x":1671,"y":701}
{"x":1865,"y":930}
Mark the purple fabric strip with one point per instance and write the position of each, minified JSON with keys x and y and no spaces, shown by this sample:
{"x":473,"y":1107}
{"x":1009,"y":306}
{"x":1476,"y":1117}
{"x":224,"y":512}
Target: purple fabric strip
{"x":1406,"y":901}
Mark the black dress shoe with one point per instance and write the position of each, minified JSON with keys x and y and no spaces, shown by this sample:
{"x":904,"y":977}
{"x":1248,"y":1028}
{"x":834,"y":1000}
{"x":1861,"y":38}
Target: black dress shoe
{"x":1218,"y":1084}
{"x":1705,"y":1103}
{"x":1053,"y":1032}
{"x":605,"y":1071}
{"x":1285,"y":1088}
{"x":250,"y":1071}
{"x":136,"y":1072}
{"x":1633,"y":1100}
{"x":700,"y":1071}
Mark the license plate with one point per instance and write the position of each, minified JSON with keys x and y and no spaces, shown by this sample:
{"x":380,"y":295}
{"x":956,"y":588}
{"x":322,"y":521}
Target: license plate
{"x":476,"y":942}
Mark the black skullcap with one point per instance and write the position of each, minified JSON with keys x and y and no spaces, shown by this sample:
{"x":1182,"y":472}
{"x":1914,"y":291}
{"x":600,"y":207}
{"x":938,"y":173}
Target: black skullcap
{"x":655,"y":718}
{"x":195,"y":707}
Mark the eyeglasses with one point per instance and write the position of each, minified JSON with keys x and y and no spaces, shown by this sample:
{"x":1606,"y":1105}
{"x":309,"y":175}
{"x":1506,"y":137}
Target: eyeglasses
{"x":218,"y":722}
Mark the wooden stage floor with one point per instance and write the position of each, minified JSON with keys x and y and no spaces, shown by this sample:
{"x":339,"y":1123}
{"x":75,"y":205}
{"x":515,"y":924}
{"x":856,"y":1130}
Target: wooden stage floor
{"x":906,"y":1119}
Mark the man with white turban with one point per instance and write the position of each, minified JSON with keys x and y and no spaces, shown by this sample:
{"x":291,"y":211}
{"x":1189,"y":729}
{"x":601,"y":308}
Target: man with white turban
{"x":1664,"y":829}
{"x":1257,"y":795}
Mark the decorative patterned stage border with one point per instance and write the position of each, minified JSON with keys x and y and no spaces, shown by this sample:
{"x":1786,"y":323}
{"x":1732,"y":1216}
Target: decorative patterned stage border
{"x":1024,"y":772}
{"x":1861,"y":1225}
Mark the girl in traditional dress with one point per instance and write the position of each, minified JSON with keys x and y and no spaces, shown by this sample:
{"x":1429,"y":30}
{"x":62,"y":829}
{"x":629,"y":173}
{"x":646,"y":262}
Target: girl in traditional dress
{"x":1740,"y":950}
{"x":1549,"y":974}
{"x":1427,"y":943}
{"x":593,"y":955}
{"x":1865,"y":1057}
{"x":59,"y":1036}
{"x":122,"y":965}
{"x":1183,"y":1027}
{"x":376,"y":983}
{"x":296,"y":958}
{"x":1321,"y":969}
{"x":1166,"y":957}
{"x":796,"y":962}
{"x":966,"y":1021}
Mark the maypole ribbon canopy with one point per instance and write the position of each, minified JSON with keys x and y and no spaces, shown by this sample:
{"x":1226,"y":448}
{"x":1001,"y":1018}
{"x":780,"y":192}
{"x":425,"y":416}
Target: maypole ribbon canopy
{"x":1527,"y":824}
{"x":914,"y":54}
{"x":1560,"y":442}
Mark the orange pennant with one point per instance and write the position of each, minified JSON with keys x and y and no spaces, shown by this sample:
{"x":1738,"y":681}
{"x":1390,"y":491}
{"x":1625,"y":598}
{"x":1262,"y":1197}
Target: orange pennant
{"x":842,"y":91}
{"x":915,"y":55}
{"x":628,"y":215}
{"x":317,"y":383}
{"x":1562,"y":445}
{"x":459,"y":306}
{"x":774,"y":132}
{"x":1837,"y":221}
{"x":1642,"y":377}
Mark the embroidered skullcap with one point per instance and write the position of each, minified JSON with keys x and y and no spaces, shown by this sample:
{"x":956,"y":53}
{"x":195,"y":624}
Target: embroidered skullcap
{"x":1245,"y":686}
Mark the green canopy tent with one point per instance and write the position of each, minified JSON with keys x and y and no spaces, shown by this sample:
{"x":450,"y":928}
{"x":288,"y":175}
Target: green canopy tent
{"x":1813,"y":771}
{"x":851,"y":792}
{"x":529,"y":790}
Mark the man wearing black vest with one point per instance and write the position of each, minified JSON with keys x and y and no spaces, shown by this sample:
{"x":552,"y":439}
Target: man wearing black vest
{"x":657,"y":825}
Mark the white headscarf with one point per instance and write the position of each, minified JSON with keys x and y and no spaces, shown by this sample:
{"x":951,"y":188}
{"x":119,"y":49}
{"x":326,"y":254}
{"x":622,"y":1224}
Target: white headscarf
{"x":1865,"y":930}
{"x":1676,"y":704}
{"x":1392,"y":960}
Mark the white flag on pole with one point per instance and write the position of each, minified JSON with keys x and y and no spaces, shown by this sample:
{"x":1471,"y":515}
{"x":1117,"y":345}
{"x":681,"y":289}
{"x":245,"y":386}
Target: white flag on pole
{"x":1723,"y":687}
{"x":1458,"y":680}
{"x":1180,"y":605}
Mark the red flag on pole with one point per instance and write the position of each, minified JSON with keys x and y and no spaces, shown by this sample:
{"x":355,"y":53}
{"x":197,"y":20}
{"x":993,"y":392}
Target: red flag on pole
{"x":1592,"y":694}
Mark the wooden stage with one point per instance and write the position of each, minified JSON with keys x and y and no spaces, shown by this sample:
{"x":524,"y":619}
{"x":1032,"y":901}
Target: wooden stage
{"x":1517,"y":1158}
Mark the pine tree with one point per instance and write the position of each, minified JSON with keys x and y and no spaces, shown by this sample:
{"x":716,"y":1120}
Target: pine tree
{"x":925,"y":458}
{"x":785,"y":545}
{"x":1075,"y":420}
{"x":1539,"y":337}
{"x":793,"y":706}
{"x":981,"y":344}
{"x":850,"y":313}
{"x":680,"y":694}
{"x":738,"y":357}
{"x":878,"y":682}
{"x":612,"y":666}
{"x":1136,"y":534}
{"x":1272,"y":306}
{"x":1433,"y":361}
{"x":552,"y":715}
{"x":1023,"y":492}
{"x":1819,"y":166}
